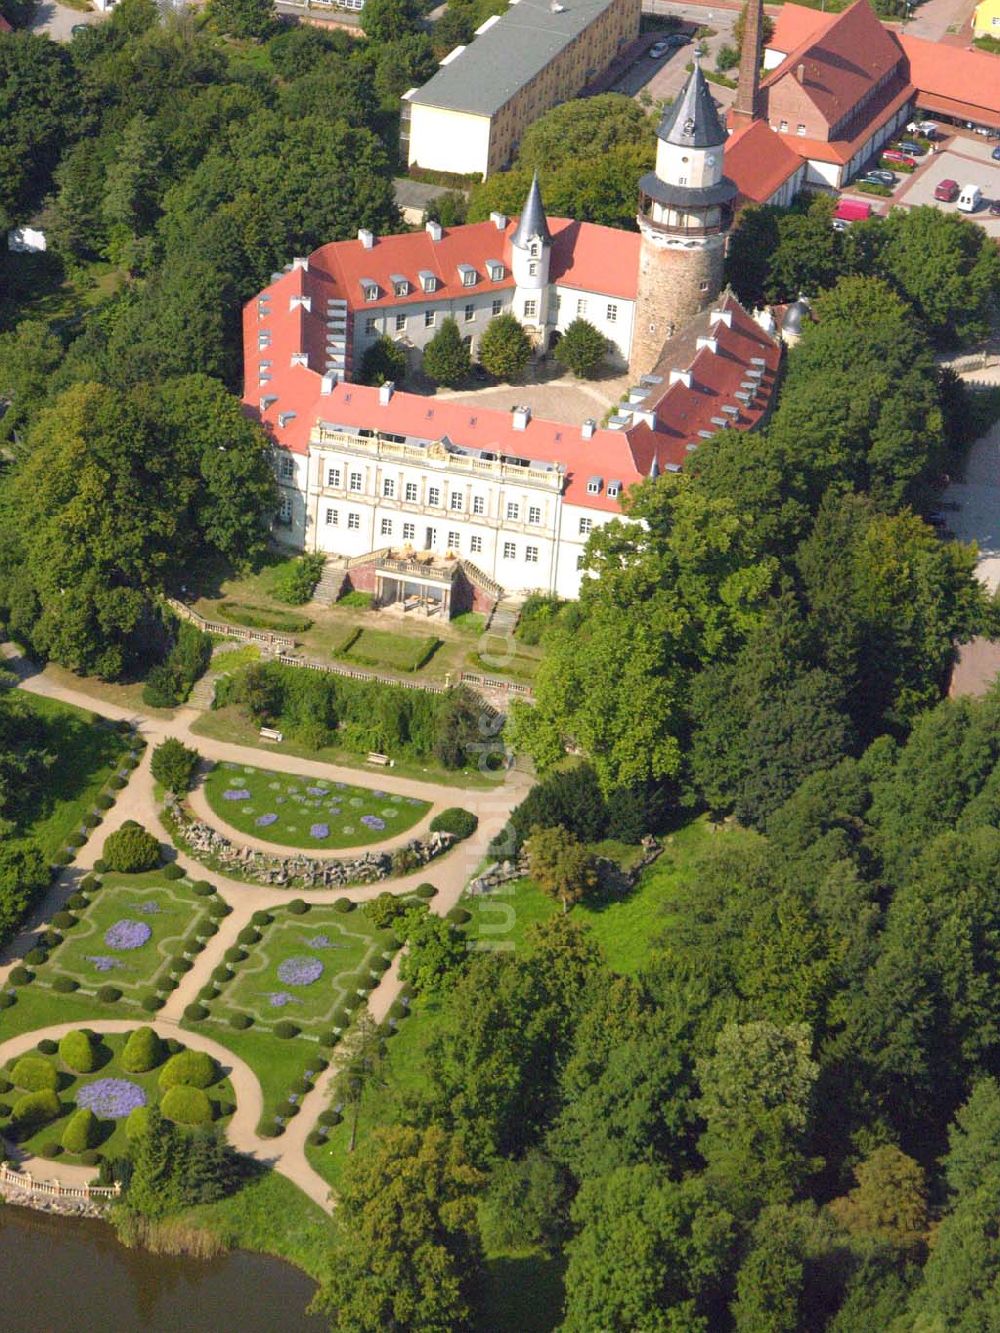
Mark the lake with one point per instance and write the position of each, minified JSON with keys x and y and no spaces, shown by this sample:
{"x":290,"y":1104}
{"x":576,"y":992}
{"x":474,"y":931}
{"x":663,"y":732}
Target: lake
{"x":59,"y":1272}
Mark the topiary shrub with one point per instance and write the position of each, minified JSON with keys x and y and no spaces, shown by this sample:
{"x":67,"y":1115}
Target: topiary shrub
{"x":425,"y":891}
{"x":76,"y":1051}
{"x":194,"y":1013}
{"x":100,"y":865}
{"x":209,"y":992}
{"x":90,"y":1157}
{"x":204,"y":930}
{"x":329,"y":1117}
{"x":108,"y":994}
{"x":173,"y":766}
{"x":240,"y":1022}
{"x":143,"y":1051}
{"x":81,"y":1132}
{"x":104,"y":801}
{"x":35,"y":957}
{"x":343,"y":905}
{"x":51,"y":1149}
{"x":173,"y":1045}
{"x":181,"y":965}
{"x":301,"y":1086}
{"x":235,"y":954}
{"x":462,"y":823}
{"x":51,"y":938}
{"x":315,"y":1138}
{"x":202,"y":889}
{"x":297,"y":907}
{"x":261,"y":919}
{"x":33,"y":1074}
{"x":7,"y":998}
{"x":76,"y":902}
{"x":459,"y":916}
{"x":89,"y":884}
{"x":248,"y":935}
{"x":169,"y":983}
{"x":5,"y":1085}
{"x":218,"y":909}
{"x":173,"y":871}
{"x":116,"y":782}
{"x":131,"y":850}
{"x":19,"y":976}
{"x":285,"y":1030}
{"x":152,"y":1002}
{"x":137,"y":1123}
{"x":329,"y":1038}
{"x":186,"y":1106}
{"x":47,"y":1046}
{"x":65,"y":985}
{"x":222,"y":973}
{"x":195,"y":1069}
{"x":35,"y":1108}
{"x":64,"y":920}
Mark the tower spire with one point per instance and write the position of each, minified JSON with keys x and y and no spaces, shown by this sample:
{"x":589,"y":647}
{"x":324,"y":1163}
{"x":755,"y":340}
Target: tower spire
{"x":748,"y":87}
{"x":532,"y":224}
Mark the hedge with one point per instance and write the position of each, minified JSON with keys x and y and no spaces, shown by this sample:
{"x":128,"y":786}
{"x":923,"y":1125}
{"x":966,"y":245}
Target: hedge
{"x":285,"y":1030}
{"x":64,"y":920}
{"x":51,"y":939}
{"x":219,"y":908}
{"x":152,"y":1002}
{"x":194,"y":1069}
{"x":35,"y":1108}
{"x":76,"y":902}
{"x":202,"y":889}
{"x":90,"y":884}
{"x":137,"y":1123}
{"x":19,"y":976}
{"x":459,"y":916}
{"x":240,"y":1022}
{"x":462,"y":823}
{"x":186,"y":1106}
{"x":297,"y":907}
{"x":425,"y":891}
{"x":65,"y":985}
{"x":7,"y":998}
{"x":194,"y":1013}
{"x":181,"y":965}
{"x":261,"y":918}
{"x":329,"y":1117}
{"x":235,"y":954}
{"x":131,"y":850}
{"x":109,"y":994}
{"x":47,"y":1046}
{"x":51,"y":1149}
{"x":81,"y":1131}
{"x":248,"y":935}
{"x":76,"y":1051}
{"x":35,"y":957}
{"x":173,"y":871}
{"x":143,"y":1051}
{"x":34,"y":1074}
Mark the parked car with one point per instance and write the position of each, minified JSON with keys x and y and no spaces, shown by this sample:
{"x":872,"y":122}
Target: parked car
{"x":665,"y":44}
{"x":970,"y":199}
{"x":894,"y":155}
{"x":946,"y":191}
{"x":912,"y":147}
{"x":77,"y":28}
{"x":658,"y":49}
{"x":928,"y":129}
{"x":995,"y":208}
{"x":877,"y":177}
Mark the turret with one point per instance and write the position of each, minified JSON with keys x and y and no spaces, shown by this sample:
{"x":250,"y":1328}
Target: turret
{"x":530,"y":254}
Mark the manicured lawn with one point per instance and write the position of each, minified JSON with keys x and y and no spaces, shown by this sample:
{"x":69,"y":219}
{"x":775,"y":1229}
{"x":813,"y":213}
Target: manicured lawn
{"x":277,"y":1063}
{"x":133,"y":929}
{"x":229,"y":724}
{"x":86,"y":752}
{"x":269,"y":1215}
{"x":382,"y":648}
{"x":112,"y":1141}
{"x":294,"y":811}
{"x":304,"y":968}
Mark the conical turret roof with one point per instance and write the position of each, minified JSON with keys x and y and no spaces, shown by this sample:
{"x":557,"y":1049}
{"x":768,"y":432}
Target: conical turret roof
{"x":532,"y":221}
{"x":692,"y":121}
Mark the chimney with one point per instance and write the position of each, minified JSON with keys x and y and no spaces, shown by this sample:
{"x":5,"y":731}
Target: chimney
{"x":588,"y":428}
{"x":800,"y":73}
{"x":499,"y":221}
{"x":385,"y":392}
{"x":434,"y":230}
{"x":327,"y":383}
{"x":681,"y":377}
{"x":521,"y":417}
{"x":711,"y":343}
{"x":302,"y":264}
{"x":746,"y":105}
{"x":366,"y":237}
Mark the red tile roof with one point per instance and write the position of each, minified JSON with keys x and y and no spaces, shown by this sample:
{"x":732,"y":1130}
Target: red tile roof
{"x":961,"y":83}
{"x":841,"y":63}
{"x":796,"y":24}
{"x":4,"y":25}
{"x":759,"y":161}
{"x":842,"y":150}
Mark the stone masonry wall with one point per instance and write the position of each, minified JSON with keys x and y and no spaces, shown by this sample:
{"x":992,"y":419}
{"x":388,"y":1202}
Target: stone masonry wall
{"x":670,"y":293}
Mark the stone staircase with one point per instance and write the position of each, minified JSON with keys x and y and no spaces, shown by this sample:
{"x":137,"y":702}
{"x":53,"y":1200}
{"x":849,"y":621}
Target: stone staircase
{"x":506,"y":613}
{"x":203,"y":694}
{"x":331,"y":581}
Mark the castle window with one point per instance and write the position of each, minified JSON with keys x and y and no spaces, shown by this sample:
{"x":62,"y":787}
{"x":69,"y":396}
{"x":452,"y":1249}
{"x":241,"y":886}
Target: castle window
{"x":612,"y":313}
{"x":478,"y":505}
{"x":800,"y":129}
{"x":370,"y":322}
{"x":470,"y":313}
{"x":332,"y":517}
{"x":703,"y":287}
{"x":581,"y":308}
{"x":579,"y":561}
{"x":534,"y":514}
{"x":682,"y":180}
{"x":513,"y":511}
{"x":400,"y":285}
{"x":531,"y":555}
{"x":509,"y":551}
{"x":409,"y":531}
{"x":286,"y":469}
{"x":386,"y":529}
{"x":468,"y":275}
{"x":333,"y":476}
{"x":355,"y":484}
{"x":530,"y":309}
{"x":354,"y":521}
{"x":434,"y":495}
{"x":594,"y":486}
{"x":476,"y":545}
{"x":457,"y":500}
{"x":453,"y":541}
{"x":388,"y":488}
{"x":285,"y":509}
{"x":411,"y":492}
{"x":783,"y":126}
{"x":586,"y":526}
{"x":429,"y":319}
{"x":400,"y":323}
{"x":532,"y":270}
{"x":533,"y":249}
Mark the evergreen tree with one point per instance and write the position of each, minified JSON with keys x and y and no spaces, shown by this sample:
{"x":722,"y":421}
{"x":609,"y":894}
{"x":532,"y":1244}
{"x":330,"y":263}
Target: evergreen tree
{"x":504,"y":348}
{"x":581,"y":349}
{"x":446,"y":357}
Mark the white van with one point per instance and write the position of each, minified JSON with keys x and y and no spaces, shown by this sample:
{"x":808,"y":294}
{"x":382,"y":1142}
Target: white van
{"x":970,"y":199}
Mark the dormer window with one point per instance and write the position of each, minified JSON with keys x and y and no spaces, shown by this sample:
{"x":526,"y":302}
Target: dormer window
{"x":400,"y":285}
{"x":594,"y":485}
{"x":614,"y":489}
{"x":495,"y":269}
{"x":428,"y":280}
{"x":467,"y":275}
{"x":369,"y":289}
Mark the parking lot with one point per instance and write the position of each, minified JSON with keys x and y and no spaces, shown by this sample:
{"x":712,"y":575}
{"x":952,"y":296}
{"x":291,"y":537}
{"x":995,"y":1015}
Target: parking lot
{"x":965,"y":158}
{"x":664,"y":78}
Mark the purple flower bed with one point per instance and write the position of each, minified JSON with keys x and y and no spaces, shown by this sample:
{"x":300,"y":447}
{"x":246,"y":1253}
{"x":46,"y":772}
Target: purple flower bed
{"x":147,"y":909}
{"x":319,"y":831}
{"x":279,"y":998}
{"x":127,"y":934}
{"x":111,"y":1098}
{"x":373,"y":822}
{"x":316,"y":791}
{"x":320,"y":942}
{"x":236,"y":794}
{"x":103,"y":962}
{"x":300,"y":971}
{"x":262,"y":821}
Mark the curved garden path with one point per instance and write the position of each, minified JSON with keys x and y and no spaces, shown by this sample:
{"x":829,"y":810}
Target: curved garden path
{"x":137,"y":800}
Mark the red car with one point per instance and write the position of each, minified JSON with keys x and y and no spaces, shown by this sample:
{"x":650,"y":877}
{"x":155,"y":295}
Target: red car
{"x":901,"y":159}
{"x":946,"y":191}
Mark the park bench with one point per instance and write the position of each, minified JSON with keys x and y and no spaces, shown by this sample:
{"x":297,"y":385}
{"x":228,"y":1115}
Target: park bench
{"x":270,"y":734}
{"x":382,"y":759}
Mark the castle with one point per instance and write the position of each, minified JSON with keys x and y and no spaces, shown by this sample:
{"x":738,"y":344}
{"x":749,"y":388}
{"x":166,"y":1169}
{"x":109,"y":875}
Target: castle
{"x":413,"y":491}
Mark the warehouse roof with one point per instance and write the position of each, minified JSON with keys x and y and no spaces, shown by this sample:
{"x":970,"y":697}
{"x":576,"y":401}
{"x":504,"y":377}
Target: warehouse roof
{"x":486,"y":74}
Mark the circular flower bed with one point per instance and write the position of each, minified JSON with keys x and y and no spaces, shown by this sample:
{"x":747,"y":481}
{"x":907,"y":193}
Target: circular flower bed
{"x":126,"y":934}
{"x":111,"y":1098}
{"x":373,"y":822}
{"x":319,"y":831}
{"x":236,"y":794}
{"x":300,"y":971}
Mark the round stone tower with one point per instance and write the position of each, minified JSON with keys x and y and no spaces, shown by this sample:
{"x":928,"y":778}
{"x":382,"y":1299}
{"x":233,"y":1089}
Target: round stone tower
{"x":685,"y":213}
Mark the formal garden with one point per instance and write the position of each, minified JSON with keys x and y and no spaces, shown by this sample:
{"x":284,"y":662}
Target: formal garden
{"x":315,"y":813}
{"x":88,"y":1094}
{"x":119,"y":940}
